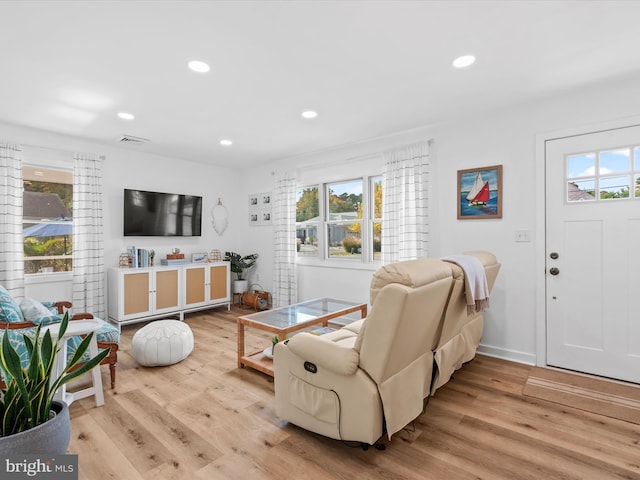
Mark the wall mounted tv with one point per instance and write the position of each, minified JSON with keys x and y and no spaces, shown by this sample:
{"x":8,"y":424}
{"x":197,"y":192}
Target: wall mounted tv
{"x":159,"y":214}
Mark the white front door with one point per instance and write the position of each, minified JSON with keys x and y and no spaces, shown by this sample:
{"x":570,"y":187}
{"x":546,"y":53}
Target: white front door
{"x":593,"y":253}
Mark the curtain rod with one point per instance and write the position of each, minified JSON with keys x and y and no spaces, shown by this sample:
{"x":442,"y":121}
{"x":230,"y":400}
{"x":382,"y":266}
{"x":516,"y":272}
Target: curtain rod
{"x":57,"y":150}
{"x":357,"y":158}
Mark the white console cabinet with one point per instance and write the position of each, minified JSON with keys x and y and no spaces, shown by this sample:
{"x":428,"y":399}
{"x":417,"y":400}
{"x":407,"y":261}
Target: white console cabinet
{"x":206,"y":284}
{"x":139,"y":294}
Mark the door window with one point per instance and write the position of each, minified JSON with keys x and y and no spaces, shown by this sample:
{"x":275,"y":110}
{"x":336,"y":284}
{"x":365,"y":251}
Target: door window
{"x":603,"y":175}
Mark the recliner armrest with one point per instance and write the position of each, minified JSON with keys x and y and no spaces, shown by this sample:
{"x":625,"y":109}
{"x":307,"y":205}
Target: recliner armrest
{"x":324,"y":353}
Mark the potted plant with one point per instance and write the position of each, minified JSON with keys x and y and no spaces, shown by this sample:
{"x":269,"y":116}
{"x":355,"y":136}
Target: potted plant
{"x":31,"y":421}
{"x":239,"y":265}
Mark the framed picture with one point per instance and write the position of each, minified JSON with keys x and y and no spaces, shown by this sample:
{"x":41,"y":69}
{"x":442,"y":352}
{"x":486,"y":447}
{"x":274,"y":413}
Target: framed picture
{"x":253,"y":201}
{"x":253,"y":218}
{"x":199,"y":257}
{"x":480,"y":193}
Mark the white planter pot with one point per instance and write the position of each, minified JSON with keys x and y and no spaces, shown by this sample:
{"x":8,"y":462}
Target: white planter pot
{"x":240,"y":286}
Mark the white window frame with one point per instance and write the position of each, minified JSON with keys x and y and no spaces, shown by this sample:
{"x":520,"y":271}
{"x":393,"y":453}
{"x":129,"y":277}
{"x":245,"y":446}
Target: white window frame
{"x":366,"y":258}
{"x":632,"y":173}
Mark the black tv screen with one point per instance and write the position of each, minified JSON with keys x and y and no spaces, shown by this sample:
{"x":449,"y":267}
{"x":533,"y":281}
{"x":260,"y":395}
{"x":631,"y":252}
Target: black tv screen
{"x":161,"y":214}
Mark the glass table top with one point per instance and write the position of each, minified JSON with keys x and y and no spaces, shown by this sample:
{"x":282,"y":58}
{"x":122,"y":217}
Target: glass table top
{"x":300,"y":313}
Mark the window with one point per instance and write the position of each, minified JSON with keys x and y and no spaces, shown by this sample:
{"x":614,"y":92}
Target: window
{"x":604,"y":175}
{"x":344,"y":219}
{"x":340,"y":220}
{"x":307,"y":220}
{"x":47,"y":220}
{"x":376,"y":217}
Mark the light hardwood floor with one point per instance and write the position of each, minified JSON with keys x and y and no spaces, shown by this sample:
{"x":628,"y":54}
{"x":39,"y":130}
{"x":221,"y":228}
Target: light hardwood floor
{"x":204,"y":418}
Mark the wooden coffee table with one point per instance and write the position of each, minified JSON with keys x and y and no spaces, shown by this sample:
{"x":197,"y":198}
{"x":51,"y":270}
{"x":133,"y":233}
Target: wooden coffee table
{"x":284,"y":320}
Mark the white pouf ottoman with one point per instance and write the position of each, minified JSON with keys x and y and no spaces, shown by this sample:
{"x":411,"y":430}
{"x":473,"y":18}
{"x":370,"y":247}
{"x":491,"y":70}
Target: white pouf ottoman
{"x":163,"y":342}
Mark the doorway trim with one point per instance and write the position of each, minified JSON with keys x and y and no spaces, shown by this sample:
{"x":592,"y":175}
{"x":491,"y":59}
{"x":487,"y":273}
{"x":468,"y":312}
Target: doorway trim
{"x":540,"y":220}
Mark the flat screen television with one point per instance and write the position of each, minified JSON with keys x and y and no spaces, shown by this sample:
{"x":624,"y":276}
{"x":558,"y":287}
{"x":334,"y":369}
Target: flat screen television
{"x":156,"y":214}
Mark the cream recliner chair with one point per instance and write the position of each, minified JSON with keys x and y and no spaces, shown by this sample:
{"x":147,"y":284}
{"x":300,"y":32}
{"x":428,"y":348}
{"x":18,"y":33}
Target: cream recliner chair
{"x":461,"y":330}
{"x":352,"y":383}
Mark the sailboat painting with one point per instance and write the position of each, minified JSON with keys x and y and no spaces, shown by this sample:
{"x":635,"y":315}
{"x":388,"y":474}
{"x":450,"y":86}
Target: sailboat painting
{"x":480,"y":193}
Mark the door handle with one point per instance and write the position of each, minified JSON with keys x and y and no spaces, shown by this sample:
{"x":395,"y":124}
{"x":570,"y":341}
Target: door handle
{"x":554,"y":271}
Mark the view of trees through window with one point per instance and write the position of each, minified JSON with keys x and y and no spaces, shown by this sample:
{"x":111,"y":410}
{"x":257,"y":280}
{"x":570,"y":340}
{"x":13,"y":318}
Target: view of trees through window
{"x":47,"y":220}
{"x":347,"y":214}
{"x":307,"y":219}
{"x":344,"y":223}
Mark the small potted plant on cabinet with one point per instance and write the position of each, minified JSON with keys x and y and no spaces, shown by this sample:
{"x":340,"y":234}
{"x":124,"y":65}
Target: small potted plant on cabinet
{"x":239,"y":265}
{"x":32,"y":421}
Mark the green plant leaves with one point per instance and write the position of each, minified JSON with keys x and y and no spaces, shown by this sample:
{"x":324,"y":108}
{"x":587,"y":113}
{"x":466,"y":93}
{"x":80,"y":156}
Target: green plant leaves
{"x":238,"y":263}
{"x":26,"y":401}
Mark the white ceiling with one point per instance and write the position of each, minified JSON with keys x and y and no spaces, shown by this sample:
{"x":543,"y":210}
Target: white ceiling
{"x":370,"y":68}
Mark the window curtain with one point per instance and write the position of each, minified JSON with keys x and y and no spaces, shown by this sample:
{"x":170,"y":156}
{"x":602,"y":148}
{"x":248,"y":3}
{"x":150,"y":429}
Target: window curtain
{"x":285,"y":285}
{"x":11,"y":250}
{"x":405,"y":226}
{"x":88,"y":243}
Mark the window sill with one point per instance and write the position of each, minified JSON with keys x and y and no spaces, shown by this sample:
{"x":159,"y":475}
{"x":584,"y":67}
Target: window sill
{"x":53,"y":277}
{"x":338,"y":264}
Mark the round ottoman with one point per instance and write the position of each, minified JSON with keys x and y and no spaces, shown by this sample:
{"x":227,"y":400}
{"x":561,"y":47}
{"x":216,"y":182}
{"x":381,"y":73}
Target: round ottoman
{"x":163,"y":342}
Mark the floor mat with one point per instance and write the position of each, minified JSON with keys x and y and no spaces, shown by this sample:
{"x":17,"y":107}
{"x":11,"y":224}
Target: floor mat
{"x":605,"y":397}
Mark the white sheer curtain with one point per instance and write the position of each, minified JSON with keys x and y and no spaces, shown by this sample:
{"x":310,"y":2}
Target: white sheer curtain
{"x":405,"y":228}
{"x":285,"y":285}
{"x":88,"y":243}
{"x":11,"y":246}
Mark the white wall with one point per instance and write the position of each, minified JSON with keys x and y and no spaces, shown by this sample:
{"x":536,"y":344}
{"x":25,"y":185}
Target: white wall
{"x":131,"y":167}
{"x":337,"y":279}
{"x":505,"y":138}
{"x":508,"y":138}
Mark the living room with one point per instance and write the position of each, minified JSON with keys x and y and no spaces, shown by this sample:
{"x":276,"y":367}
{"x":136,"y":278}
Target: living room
{"x":507,"y":135}
{"x":581,"y":98}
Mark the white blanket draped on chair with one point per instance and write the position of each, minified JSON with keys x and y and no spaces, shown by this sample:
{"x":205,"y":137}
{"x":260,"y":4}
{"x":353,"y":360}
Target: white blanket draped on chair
{"x":475,"y":281}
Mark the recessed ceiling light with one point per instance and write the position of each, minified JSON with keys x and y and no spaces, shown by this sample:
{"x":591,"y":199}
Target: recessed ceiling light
{"x":126,"y":116}
{"x":309,"y":114}
{"x":464,"y":61}
{"x":226,"y":143}
{"x":39,"y":173}
{"x":198,"y":66}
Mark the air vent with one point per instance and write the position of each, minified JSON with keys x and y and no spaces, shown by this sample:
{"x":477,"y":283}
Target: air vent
{"x":130,"y":139}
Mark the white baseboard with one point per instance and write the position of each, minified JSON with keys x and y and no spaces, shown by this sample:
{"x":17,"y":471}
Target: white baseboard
{"x":514,"y":356}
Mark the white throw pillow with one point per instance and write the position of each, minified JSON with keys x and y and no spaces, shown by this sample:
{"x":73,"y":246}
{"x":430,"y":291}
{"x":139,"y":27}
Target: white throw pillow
{"x":32,"y":309}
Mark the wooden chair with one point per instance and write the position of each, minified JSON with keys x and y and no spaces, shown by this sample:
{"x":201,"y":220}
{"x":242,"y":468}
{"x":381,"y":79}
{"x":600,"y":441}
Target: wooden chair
{"x":111,"y":359}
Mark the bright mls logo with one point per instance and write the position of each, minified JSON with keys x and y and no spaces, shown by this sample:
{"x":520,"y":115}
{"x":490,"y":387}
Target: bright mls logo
{"x":61,"y":467}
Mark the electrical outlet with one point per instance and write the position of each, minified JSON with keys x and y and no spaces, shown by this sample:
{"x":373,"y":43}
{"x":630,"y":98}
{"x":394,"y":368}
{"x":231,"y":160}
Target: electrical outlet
{"x":523,"y":236}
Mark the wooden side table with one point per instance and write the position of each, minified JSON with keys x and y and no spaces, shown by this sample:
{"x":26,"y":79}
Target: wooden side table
{"x":237,"y":299}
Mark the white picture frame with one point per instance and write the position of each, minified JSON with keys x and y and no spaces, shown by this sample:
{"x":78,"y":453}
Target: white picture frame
{"x":199,"y":257}
{"x":266,"y":217}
